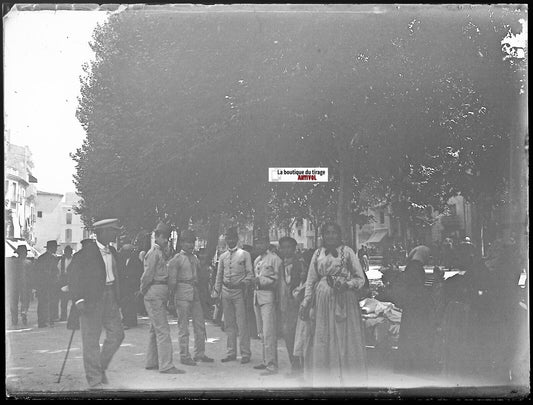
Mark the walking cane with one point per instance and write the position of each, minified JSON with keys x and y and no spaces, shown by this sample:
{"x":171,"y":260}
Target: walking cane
{"x":66,"y":356}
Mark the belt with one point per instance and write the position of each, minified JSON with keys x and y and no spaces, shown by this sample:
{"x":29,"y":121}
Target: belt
{"x":232,"y":286}
{"x":260,"y":288}
{"x":190,"y":282}
{"x":159,"y":282}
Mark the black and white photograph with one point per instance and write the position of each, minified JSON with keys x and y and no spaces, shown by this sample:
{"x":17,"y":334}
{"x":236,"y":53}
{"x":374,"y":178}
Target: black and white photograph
{"x":266,"y":200}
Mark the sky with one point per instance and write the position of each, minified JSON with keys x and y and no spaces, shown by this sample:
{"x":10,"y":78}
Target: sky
{"x":43,"y":56}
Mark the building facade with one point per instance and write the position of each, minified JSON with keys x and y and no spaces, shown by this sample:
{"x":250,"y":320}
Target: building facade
{"x":56,"y":220}
{"x":20,"y":193}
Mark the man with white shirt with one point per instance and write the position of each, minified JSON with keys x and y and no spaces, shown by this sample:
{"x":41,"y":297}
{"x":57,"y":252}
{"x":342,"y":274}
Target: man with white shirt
{"x":93,"y":283}
{"x":233,"y":277}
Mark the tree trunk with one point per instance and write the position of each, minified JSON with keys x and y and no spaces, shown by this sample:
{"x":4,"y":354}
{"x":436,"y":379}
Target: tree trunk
{"x":344,"y":217}
{"x":261,"y":210}
{"x":213,"y":232}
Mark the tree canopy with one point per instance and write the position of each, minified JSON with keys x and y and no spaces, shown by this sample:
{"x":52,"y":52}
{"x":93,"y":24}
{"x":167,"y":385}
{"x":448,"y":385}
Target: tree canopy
{"x":184,"y":112}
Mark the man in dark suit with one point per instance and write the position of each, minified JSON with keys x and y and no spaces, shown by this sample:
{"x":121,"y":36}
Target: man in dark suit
{"x":132,"y":270}
{"x":46,"y":276}
{"x":94,"y":285}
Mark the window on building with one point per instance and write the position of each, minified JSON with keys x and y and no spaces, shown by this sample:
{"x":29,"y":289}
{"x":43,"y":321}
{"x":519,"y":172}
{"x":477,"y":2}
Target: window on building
{"x":382,"y":217}
{"x":299,"y":232}
{"x":69,"y":218}
{"x":68,"y":235}
{"x":39,"y":214}
{"x":14,"y":196}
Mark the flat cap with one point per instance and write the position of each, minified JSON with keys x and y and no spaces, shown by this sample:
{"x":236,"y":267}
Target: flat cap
{"x":107,"y":223}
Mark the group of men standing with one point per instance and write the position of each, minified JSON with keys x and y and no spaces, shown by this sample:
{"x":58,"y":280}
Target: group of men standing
{"x":47,"y":275}
{"x":94,"y":286}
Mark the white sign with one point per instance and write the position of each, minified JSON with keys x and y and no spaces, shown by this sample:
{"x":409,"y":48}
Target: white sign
{"x":298,"y":174}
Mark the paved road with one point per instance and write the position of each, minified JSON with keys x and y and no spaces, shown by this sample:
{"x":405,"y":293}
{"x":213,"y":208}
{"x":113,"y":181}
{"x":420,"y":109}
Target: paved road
{"x":34,"y":357}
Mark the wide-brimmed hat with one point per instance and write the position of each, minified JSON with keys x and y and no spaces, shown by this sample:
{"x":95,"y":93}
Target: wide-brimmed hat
{"x":107,"y":223}
{"x":163,"y":229}
{"x":188,"y":235}
{"x":51,"y":244}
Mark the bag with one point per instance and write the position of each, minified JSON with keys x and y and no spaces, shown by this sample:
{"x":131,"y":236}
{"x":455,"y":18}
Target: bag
{"x":364,"y":292}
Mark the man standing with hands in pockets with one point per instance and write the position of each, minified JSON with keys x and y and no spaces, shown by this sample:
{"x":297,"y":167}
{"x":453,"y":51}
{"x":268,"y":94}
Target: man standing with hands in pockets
{"x":185,"y":268}
{"x":93,"y":283}
{"x":233,"y":276}
{"x":155,"y":286}
{"x":267,"y":269}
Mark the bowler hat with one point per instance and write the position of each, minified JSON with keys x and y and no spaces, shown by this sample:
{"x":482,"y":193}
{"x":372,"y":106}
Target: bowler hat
{"x":51,"y":244}
{"x":21,"y":248}
{"x":107,"y":223}
{"x":232,"y":233}
{"x":188,"y":235}
{"x":162,"y":228}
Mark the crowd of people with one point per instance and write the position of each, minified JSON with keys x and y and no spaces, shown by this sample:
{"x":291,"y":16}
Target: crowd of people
{"x":310,"y":300}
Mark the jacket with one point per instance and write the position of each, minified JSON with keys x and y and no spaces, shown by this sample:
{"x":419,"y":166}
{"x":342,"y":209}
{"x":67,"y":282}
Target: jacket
{"x":267,"y":268}
{"x":87,"y":274}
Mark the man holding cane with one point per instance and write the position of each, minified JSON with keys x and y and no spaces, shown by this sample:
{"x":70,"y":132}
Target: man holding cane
{"x":94,"y":287}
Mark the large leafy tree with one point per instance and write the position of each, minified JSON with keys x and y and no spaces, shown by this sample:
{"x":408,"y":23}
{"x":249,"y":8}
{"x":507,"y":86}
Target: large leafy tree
{"x":184,"y":113}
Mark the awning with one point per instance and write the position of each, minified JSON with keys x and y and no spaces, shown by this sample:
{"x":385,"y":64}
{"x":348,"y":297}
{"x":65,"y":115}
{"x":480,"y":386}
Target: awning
{"x":377,"y":236}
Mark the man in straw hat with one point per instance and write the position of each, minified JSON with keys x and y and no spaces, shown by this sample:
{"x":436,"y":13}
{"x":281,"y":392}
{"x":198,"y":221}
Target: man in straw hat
{"x":266,"y":269}
{"x":155,"y":287}
{"x":185,"y":268}
{"x":46,"y":274}
{"x":94,"y":288}
{"x":233,"y":276}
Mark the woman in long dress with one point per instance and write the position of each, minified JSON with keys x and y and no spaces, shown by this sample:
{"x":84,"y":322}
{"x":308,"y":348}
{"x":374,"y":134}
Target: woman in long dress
{"x":336,"y":355}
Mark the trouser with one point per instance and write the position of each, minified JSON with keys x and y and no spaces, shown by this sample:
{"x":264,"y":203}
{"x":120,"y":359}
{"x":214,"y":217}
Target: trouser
{"x":104,"y":313}
{"x":193,"y":308}
{"x":43,"y":306}
{"x":159,"y":351}
{"x":18,"y":294}
{"x":65,"y":298}
{"x":235,"y":320}
{"x":288,"y":335}
{"x":266,"y":328}
{"x":54,"y":302}
{"x":129,"y":310}
{"x":250,"y":313}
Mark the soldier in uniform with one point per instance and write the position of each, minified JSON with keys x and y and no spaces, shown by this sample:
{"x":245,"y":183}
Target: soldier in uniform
{"x":94,"y":285}
{"x":233,"y":276}
{"x":266,"y":269}
{"x":185,"y":267}
{"x":46,"y":274}
{"x":156,"y":282}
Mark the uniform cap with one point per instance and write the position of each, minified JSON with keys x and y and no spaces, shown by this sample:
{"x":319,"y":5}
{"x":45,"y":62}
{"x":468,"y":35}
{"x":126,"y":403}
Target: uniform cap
{"x":232,"y":233}
{"x":107,"y":223}
{"x":163,"y":229}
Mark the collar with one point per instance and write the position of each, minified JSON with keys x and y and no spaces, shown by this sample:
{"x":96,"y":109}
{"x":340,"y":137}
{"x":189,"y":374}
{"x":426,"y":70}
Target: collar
{"x":234,"y":249}
{"x":288,"y":260}
{"x":100,"y":246}
{"x":185,"y":253}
